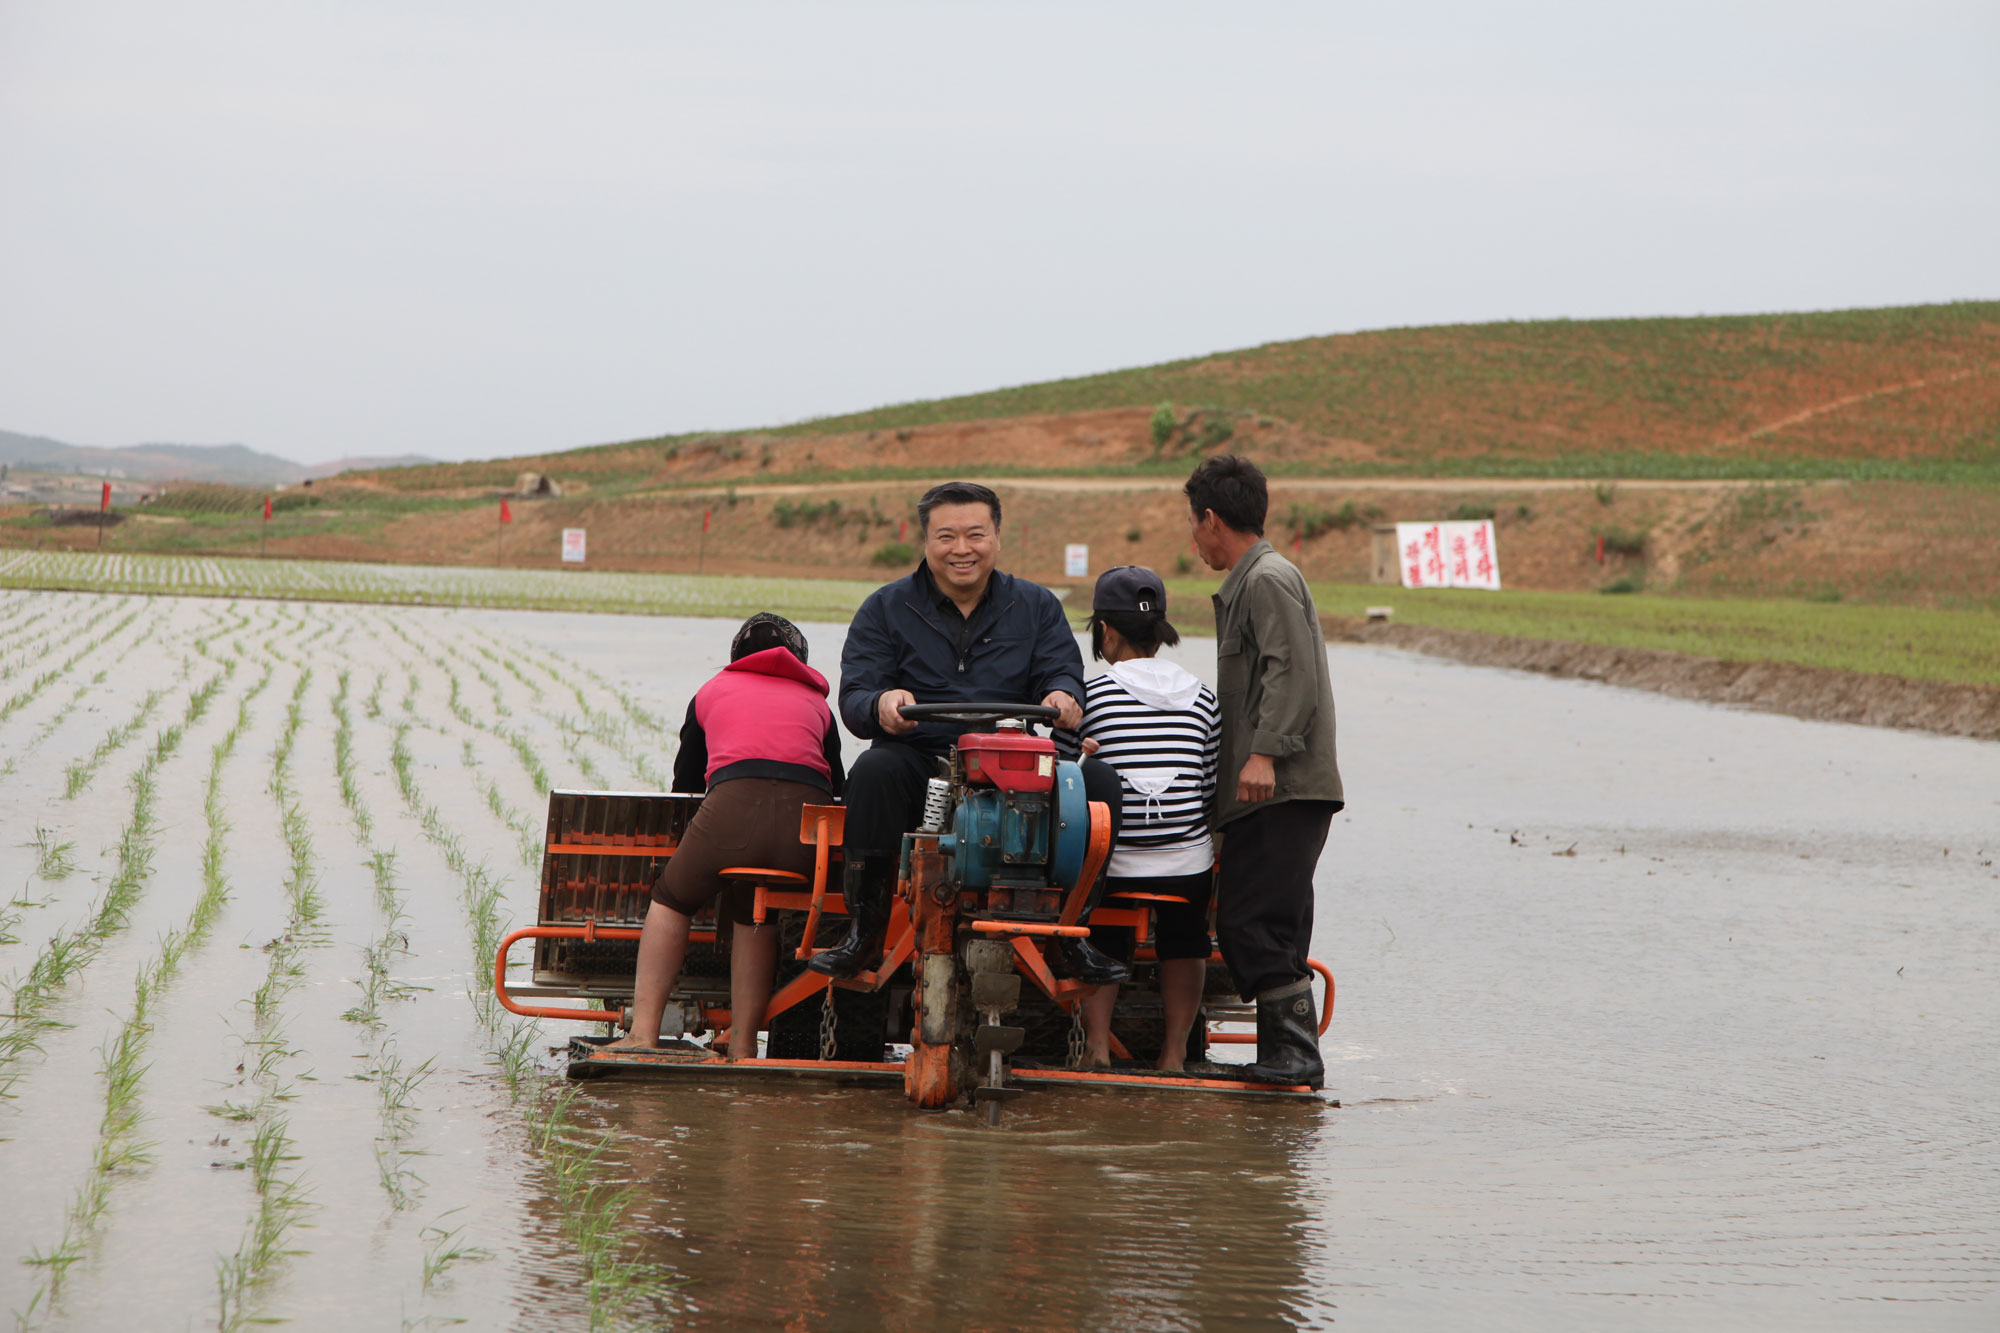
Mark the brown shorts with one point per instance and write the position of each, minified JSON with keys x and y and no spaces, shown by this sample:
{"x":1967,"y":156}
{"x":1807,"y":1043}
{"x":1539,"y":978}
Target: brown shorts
{"x":742,"y":822}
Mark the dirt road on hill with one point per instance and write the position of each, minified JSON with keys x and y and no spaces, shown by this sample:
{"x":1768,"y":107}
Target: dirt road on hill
{"x":1339,"y":485}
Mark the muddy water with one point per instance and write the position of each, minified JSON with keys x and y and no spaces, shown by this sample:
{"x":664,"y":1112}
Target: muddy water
{"x":1651,"y":1014}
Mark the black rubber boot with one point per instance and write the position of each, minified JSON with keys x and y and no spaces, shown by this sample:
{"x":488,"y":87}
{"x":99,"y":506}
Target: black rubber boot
{"x":1287,"y":1038}
{"x":865,"y":884}
{"x":1076,"y":958}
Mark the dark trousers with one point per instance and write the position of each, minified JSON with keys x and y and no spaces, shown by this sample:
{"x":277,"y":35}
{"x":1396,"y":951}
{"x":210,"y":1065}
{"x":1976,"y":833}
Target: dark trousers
{"x":885,"y":797}
{"x":1264,"y":894}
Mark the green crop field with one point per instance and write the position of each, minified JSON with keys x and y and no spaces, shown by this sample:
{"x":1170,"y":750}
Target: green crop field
{"x":434,"y":585}
{"x":1920,"y":644}
{"x":1961,"y":647}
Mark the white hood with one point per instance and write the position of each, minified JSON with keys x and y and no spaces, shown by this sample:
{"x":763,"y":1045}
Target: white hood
{"x":1156,"y":683}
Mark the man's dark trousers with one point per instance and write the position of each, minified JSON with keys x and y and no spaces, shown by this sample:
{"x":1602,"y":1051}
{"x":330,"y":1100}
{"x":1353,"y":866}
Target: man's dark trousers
{"x":1264,"y":896}
{"x":885,"y":797}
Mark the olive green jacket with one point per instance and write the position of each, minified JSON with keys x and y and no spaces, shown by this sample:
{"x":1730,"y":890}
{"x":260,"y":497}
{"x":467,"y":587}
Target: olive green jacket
{"x":1273,"y":683}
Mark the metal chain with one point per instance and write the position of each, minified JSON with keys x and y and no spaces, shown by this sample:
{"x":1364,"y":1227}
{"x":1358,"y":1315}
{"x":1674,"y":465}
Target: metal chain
{"x":827,"y":1045}
{"x":1076,"y":1035}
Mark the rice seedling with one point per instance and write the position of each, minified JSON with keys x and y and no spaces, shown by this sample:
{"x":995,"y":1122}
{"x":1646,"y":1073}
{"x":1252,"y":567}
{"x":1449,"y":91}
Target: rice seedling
{"x":282,"y":1204}
{"x":443,"y":1248}
{"x":377,"y":982}
{"x":514,"y":1052}
{"x":382,"y":865}
{"x":29,"y":693}
{"x":508,"y":665}
{"x":593,"y":1212}
{"x":215,"y":883}
{"x":530,"y":761}
{"x":47,"y":646}
{"x":301,"y":880}
{"x":573,"y":735}
{"x":54,"y":859}
{"x":77,"y":776}
{"x":69,"y":952}
{"x":454,"y":702}
{"x":118,"y":1147}
{"x":343,"y":762}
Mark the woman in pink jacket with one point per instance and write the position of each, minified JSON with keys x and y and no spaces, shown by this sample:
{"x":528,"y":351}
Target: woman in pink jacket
{"x":760,"y":739}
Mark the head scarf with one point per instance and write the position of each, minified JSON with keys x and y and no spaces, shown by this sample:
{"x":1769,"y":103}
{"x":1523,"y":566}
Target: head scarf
{"x":785,"y":633}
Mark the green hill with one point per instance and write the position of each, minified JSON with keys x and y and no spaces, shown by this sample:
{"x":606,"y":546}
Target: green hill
{"x":1908,"y":393}
{"x":1905,"y":382}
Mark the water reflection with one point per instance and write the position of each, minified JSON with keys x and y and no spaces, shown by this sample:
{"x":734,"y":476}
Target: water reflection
{"x":815,"y":1208}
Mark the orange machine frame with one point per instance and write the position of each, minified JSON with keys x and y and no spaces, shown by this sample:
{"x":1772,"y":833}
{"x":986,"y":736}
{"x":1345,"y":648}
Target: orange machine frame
{"x":823,"y":827}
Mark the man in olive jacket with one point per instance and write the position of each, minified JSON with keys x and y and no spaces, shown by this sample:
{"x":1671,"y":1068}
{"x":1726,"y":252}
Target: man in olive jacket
{"x":1278,"y":786}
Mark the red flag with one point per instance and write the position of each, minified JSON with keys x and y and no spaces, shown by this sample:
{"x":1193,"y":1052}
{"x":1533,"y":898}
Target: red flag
{"x":903,"y":530}
{"x":704,"y":519}
{"x":267,"y":509}
{"x":105,"y":503}
{"x":506,"y":514}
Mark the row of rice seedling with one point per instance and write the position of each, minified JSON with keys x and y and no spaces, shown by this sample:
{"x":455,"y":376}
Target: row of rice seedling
{"x":55,"y":720}
{"x":22,"y":618}
{"x":70,"y":950}
{"x":395,"y":1080}
{"x":593,"y":1213}
{"x":527,"y":833}
{"x":77,"y":776}
{"x":47,"y":646}
{"x":119,"y":1149}
{"x":431,"y":585}
{"x":282,"y":1201}
{"x":611,"y":732}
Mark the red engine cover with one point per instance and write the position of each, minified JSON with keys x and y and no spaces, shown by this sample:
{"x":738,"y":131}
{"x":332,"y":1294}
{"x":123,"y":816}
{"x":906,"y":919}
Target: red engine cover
{"x":1008,"y":760}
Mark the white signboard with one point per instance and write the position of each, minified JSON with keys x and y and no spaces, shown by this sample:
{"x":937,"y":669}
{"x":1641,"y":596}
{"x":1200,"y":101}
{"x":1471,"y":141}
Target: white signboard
{"x":1076,"y":561}
{"x":1448,"y":555}
{"x":573,"y":546}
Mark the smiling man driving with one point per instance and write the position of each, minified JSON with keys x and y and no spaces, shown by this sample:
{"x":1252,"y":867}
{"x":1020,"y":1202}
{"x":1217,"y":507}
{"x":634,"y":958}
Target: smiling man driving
{"x":956,"y":630}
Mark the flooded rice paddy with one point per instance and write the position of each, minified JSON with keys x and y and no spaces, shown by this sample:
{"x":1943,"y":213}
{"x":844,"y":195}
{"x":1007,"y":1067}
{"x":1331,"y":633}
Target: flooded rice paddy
{"x":1651,"y":1015}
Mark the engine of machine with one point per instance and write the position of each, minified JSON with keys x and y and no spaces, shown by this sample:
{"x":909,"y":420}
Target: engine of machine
{"x":1021,"y":820}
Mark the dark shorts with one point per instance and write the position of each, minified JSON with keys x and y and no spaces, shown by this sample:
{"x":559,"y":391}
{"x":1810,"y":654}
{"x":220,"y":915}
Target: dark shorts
{"x":742,"y":822}
{"x":1179,"y":931}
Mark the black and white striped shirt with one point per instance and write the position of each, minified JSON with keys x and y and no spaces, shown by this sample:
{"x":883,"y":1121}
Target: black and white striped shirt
{"x":1161,"y":729}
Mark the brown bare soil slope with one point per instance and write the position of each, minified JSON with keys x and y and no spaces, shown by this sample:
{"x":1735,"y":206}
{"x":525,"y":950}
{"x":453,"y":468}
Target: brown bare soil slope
{"x":1886,"y":542}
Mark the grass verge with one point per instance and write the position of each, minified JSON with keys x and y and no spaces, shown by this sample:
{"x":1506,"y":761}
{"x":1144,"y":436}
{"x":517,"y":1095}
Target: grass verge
{"x":1956,"y":647}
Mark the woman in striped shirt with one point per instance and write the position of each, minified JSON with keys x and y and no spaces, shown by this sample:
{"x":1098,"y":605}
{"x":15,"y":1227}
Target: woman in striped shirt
{"x":1160,"y":728}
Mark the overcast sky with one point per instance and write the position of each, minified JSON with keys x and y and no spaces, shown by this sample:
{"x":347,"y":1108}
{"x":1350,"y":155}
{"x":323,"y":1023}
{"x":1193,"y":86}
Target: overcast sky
{"x":475,"y":229}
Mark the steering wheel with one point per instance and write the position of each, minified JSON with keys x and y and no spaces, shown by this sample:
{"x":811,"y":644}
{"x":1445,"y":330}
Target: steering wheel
{"x":974,"y":714}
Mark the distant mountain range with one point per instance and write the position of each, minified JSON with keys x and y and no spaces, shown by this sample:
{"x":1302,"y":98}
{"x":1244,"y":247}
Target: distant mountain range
{"x":236,"y":464}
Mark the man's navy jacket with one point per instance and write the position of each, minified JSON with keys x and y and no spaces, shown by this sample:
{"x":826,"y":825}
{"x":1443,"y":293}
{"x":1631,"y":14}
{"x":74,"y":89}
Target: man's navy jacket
{"x":1016,"y":649}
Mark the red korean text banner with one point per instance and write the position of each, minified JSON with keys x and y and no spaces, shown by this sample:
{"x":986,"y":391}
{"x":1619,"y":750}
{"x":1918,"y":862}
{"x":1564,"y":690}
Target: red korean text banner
{"x":1448,"y":555}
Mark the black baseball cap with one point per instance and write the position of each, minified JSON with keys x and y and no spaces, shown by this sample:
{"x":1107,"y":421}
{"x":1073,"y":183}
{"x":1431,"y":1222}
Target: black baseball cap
{"x":1129,"y":588}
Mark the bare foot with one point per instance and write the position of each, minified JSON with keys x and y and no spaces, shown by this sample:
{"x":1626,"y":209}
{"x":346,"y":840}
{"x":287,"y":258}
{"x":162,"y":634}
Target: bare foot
{"x":632,"y":1041}
{"x":1176,"y":1067}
